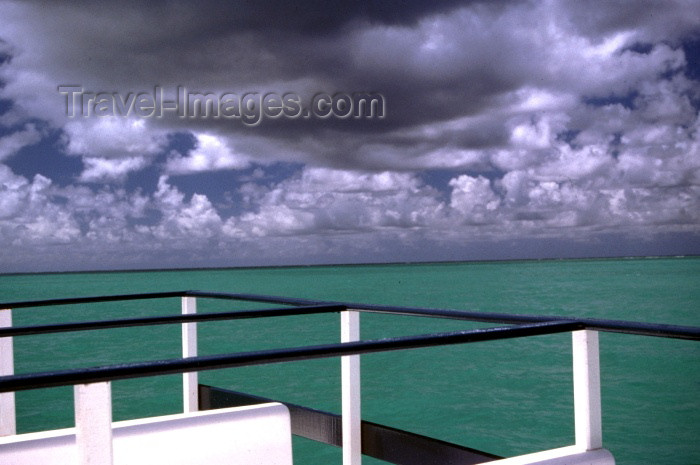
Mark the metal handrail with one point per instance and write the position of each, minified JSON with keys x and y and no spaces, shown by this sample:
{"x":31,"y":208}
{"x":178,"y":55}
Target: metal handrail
{"x":584,"y":338}
{"x":615,"y":326}
{"x":168,"y":319}
{"x":212,"y":362}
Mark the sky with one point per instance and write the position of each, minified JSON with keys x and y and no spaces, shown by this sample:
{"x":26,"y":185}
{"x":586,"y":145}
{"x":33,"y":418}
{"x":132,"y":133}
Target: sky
{"x":500,"y":130}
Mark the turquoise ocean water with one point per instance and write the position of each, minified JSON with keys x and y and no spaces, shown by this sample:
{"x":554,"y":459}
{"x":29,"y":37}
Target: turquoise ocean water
{"x":506,"y":397}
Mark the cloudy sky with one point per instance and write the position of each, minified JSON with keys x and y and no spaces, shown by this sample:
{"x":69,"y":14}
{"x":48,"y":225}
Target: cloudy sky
{"x":512,"y":129}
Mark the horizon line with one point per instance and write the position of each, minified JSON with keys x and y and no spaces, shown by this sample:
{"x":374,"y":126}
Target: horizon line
{"x":351,"y":264}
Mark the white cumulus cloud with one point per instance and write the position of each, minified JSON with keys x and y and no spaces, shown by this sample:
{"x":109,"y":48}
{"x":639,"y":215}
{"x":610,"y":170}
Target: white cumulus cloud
{"x":211,"y":153}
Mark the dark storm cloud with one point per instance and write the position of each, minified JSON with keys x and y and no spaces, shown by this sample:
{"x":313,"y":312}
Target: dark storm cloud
{"x":308,"y":17}
{"x":433,"y":62}
{"x":328,"y":46}
{"x":209,"y":46}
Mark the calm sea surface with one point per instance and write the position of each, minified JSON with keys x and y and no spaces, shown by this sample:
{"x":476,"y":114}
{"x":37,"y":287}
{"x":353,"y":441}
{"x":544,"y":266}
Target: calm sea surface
{"x":505,"y":397}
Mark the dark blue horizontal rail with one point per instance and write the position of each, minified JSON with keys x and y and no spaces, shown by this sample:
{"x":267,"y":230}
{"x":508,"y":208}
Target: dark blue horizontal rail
{"x":615,"y":326}
{"x":213,"y":362}
{"x":168,"y":319}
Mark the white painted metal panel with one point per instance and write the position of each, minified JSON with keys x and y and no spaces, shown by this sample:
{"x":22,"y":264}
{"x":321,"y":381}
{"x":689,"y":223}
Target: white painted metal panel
{"x":587,"y":409}
{"x":93,"y":423}
{"x":190,"y":381}
{"x":259,"y":434}
{"x":351,"y":391}
{"x":7,"y":368}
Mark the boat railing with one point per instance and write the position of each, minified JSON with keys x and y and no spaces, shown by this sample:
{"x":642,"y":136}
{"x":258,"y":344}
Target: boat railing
{"x":355,"y":433}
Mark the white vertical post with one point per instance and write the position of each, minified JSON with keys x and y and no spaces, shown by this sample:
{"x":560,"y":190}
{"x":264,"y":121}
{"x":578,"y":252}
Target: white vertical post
{"x":93,"y":423}
{"x":8,"y":422}
{"x":190,"y":381}
{"x":587,"y":410}
{"x":350,"y":380}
